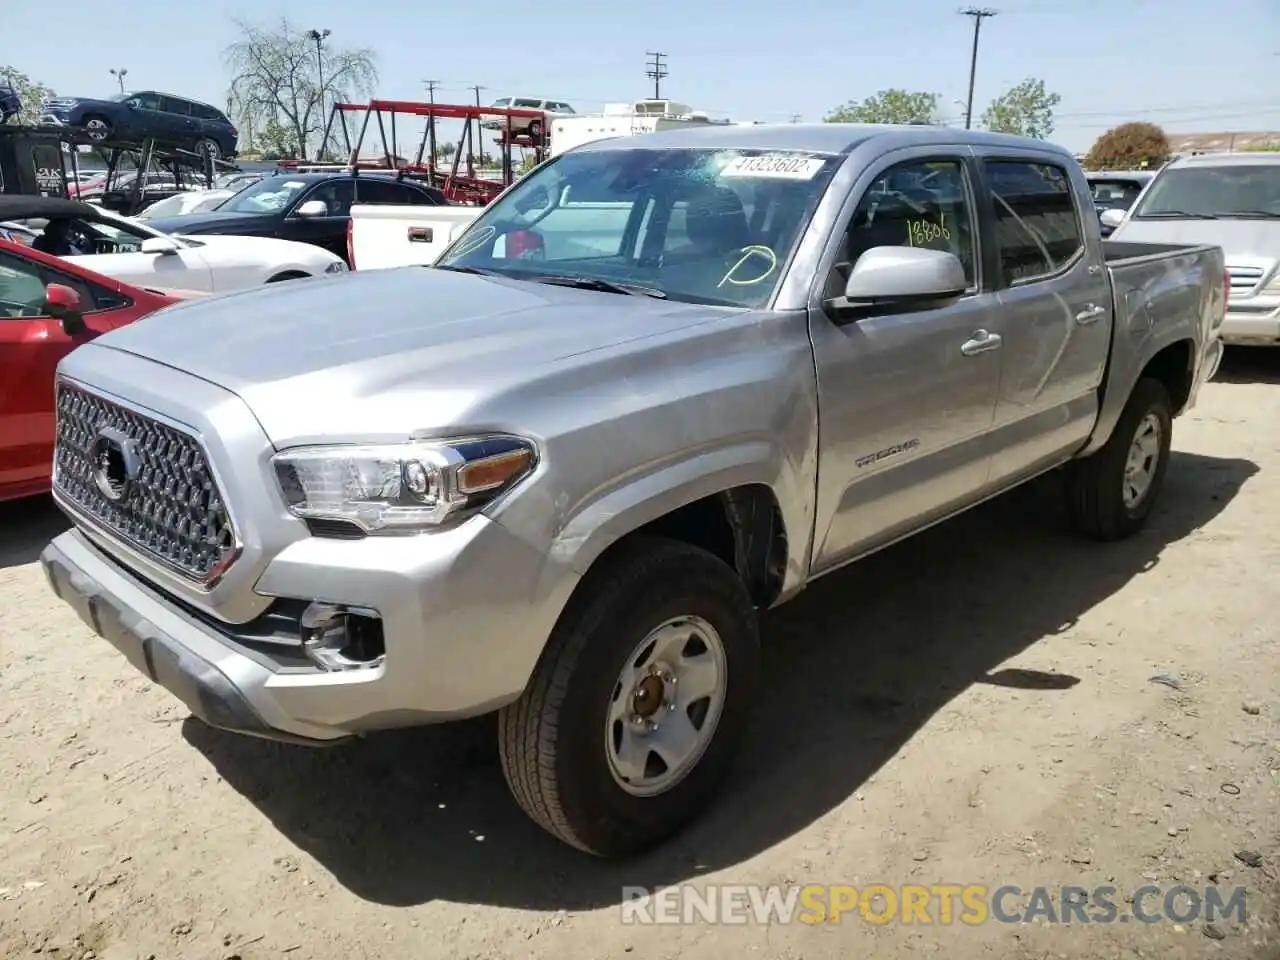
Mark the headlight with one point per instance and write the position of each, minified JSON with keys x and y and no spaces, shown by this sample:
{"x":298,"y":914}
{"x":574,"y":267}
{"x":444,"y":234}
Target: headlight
{"x":336,"y":267}
{"x":401,"y":487}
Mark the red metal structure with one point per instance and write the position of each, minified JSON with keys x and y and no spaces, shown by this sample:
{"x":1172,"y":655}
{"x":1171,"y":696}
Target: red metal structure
{"x":458,"y":187}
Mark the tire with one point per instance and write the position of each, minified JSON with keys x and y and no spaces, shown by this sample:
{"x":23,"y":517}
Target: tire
{"x":554,"y":741}
{"x":209,"y":148}
{"x":535,"y":132}
{"x":97,"y":128}
{"x":1096,"y":486}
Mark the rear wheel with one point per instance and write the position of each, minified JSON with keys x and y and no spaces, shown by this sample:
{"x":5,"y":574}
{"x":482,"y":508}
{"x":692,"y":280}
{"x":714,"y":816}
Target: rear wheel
{"x":210,"y":148}
{"x":1111,"y":493}
{"x":97,"y":128}
{"x":635,"y":710}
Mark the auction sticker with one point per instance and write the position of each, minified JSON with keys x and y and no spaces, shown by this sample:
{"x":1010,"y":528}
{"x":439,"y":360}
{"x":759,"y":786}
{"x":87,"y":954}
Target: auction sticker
{"x":775,"y":166}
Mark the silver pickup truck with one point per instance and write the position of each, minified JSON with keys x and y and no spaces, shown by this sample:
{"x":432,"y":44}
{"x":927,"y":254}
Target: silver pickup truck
{"x":660,"y":385}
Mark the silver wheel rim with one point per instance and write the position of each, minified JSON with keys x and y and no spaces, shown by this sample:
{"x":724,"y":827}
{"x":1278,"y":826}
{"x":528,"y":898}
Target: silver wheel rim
{"x":665,"y":706}
{"x":211,"y":147}
{"x":97,"y":129}
{"x":1143,"y":460}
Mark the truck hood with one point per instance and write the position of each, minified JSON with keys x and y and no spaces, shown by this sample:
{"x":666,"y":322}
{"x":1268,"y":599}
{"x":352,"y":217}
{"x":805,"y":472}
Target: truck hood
{"x":214,"y":221}
{"x":385,"y":353}
{"x":1248,"y":241}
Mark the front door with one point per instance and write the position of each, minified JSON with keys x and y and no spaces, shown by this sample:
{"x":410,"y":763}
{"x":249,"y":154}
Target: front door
{"x":329,"y":230}
{"x":184,"y":269}
{"x":905,"y":400}
{"x":31,"y":344}
{"x":1055,"y":314}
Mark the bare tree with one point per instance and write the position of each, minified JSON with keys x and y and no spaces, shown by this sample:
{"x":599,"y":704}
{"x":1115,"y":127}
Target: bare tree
{"x":276,"y":75}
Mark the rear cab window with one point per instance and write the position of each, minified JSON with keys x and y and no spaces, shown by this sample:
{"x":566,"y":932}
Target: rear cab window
{"x":1038,"y":231}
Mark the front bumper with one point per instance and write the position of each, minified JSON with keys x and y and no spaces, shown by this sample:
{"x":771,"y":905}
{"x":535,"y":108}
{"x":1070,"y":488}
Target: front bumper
{"x":1251,"y":329}
{"x":465,"y":614}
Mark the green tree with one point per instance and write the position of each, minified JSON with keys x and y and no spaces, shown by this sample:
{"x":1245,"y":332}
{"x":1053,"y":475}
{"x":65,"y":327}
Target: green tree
{"x":31,"y":94}
{"x":276,"y":78}
{"x":1025,"y":109}
{"x":889,"y":106}
{"x":1130,"y":146}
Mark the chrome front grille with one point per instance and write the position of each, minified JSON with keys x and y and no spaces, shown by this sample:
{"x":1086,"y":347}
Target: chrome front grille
{"x":145,"y":482}
{"x":1244,"y":279}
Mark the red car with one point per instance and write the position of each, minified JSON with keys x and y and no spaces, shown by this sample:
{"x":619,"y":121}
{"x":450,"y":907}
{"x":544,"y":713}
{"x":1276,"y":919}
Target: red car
{"x":48,"y":307}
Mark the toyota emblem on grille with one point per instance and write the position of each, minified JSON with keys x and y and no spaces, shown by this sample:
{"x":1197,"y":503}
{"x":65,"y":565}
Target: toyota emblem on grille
{"x":116,"y":463}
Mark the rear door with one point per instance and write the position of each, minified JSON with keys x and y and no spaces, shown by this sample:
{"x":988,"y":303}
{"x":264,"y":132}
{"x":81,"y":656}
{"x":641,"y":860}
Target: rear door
{"x":1055,"y":311}
{"x":178,"y":121}
{"x":31,"y":344}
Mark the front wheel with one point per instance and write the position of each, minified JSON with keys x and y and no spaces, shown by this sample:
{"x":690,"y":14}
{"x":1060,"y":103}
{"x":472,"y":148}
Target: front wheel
{"x":635,"y":711}
{"x":97,"y":128}
{"x":1111,"y":493}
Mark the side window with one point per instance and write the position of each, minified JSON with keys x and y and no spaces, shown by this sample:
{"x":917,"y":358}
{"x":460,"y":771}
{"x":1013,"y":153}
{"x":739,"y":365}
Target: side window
{"x":338,"y":195}
{"x":527,"y":104}
{"x":380,"y":191}
{"x":918,"y":203}
{"x":146,"y":101}
{"x":22,"y":288}
{"x":21,"y":291}
{"x":1037,"y":224}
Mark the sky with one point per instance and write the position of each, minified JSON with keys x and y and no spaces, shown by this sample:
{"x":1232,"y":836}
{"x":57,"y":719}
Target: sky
{"x":1187,"y":65}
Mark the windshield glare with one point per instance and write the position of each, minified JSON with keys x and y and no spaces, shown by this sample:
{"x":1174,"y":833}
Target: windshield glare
{"x":704,"y":226}
{"x":266,"y":196}
{"x":1237,"y":189}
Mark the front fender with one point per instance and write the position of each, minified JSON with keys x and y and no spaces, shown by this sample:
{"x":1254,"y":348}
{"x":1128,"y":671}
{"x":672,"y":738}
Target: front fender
{"x":638,"y":500}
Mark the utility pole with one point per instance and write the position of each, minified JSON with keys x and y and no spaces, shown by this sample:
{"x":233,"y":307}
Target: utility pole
{"x":795,"y":118}
{"x":656,"y":71}
{"x":431,"y":121}
{"x":476,"y":143}
{"x":319,"y":37}
{"x":120,"y":75}
{"x":979,"y":14}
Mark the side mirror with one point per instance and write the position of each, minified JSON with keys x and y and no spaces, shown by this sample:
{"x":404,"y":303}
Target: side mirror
{"x":313,"y":208}
{"x":158,"y":246}
{"x":901,"y":278}
{"x":1111,"y":218}
{"x":63,"y":303}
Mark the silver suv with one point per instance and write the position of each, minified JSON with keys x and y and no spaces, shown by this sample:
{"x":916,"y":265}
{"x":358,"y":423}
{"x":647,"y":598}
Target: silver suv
{"x":520,"y":126}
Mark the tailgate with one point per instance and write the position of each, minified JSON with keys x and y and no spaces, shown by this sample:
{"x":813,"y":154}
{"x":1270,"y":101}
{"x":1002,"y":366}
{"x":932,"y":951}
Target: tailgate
{"x":395,"y":235}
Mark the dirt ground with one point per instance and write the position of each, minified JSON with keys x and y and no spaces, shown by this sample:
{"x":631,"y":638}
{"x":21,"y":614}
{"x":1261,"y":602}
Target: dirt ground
{"x":974,"y":706}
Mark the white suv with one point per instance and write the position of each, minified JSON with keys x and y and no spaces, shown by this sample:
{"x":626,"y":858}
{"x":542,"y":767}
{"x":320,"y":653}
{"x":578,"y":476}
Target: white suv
{"x":521,"y":126}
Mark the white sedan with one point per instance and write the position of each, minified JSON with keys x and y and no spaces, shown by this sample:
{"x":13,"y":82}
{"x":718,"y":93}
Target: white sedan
{"x":130,"y":250}
{"x":193,"y":201}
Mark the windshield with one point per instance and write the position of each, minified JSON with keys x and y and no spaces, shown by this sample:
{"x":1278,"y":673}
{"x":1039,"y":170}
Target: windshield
{"x":270,"y":195}
{"x":704,"y":226}
{"x":1235,"y":190}
{"x":1115,"y":193}
{"x":169,"y":207}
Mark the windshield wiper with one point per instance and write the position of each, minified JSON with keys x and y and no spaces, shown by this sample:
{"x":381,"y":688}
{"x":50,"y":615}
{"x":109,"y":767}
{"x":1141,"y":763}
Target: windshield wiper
{"x":478,"y":271}
{"x":604,"y":286}
{"x":1175,"y":215}
{"x":1253,"y":214}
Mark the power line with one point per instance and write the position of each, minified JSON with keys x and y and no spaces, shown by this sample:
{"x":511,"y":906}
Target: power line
{"x":431,"y":89}
{"x":979,"y":14}
{"x":656,"y":71}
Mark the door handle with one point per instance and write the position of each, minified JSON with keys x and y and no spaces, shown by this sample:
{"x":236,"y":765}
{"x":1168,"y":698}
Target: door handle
{"x":1090,"y":313}
{"x":980,"y":342}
